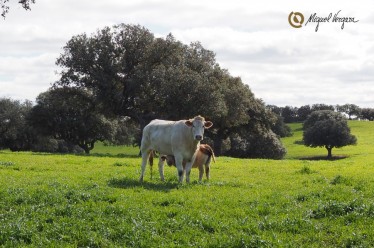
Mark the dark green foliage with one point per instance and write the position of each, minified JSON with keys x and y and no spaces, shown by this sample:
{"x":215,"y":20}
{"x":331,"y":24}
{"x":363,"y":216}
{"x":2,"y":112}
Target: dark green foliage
{"x":131,"y":73}
{"x":367,"y":114}
{"x":303,"y":112}
{"x":52,"y":145}
{"x":328,"y":129}
{"x":126,"y":132}
{"x":289,"y":114}
{"x":322,"y":106}
{"x":69,"y":114}
{"x":278,"y":125}
{"x":280,"y":128}
{"x":260,"y":143}
{"x":15,"y":133}
{"x":349,"y":109}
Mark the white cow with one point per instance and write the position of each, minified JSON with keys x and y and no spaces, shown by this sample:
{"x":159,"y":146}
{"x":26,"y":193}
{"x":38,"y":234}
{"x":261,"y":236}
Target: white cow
{"x":177,"y":138}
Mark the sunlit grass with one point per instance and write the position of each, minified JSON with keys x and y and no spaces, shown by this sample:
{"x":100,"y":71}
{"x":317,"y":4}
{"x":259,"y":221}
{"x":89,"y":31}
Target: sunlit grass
{"x":96,"y":201}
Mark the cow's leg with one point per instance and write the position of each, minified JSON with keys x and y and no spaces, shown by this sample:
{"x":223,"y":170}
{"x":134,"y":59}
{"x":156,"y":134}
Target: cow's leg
{"x":179,"y":165}
{"x":145,"y":155}
{"x":161,"y":168}
{"x":188,"y":171}
{"x":150,"y":159}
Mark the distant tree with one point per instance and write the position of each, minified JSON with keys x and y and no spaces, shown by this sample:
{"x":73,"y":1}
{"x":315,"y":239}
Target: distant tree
{"x":5,"y":6}
{"x":69,"y":114}
{"x":303,"y":112}
{"x":280,"y":128}
{"x":275,"y":109}
{"x":322,"y":106}
{"x":259,"y":144}
{"x":349,"y":109}
{"x":9,"y":118}
{"x":329,"y":129}
{"x":126,"y":132}
{"x":367,"y":114}
{"x":289,"y":114}
{"x":15,"y":133}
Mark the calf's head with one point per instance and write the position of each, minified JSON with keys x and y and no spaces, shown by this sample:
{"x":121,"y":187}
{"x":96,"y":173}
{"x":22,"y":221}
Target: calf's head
{"x":198,"y":124}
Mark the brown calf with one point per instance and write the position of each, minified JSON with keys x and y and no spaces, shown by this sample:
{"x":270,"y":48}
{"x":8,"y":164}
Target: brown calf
{"x":204,"y":154}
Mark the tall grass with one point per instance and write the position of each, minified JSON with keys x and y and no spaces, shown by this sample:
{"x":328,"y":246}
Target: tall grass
{"x":51,"y":200}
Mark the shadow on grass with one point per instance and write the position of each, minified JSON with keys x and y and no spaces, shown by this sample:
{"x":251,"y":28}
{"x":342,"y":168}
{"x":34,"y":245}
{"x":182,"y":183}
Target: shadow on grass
{"x":333,"y":158}
{"x":120,"y":155}
{"x":298,"y":142}
{"x":100,"y":155}
{"x":128,"y":183}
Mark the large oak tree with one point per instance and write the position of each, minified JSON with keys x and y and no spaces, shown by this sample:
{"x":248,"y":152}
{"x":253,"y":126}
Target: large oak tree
{"x":132,"y":73}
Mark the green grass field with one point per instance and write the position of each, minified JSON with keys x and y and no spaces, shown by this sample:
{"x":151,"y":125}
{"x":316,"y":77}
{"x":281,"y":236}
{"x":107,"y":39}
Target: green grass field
{"x":49,"y":200}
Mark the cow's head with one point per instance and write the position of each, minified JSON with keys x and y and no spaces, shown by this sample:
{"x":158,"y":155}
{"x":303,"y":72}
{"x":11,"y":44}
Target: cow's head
{"x":198,"y":124}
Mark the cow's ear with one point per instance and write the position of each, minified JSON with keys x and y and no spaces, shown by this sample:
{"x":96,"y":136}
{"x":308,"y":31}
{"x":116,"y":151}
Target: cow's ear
{"x":208,"y":124}
{"x":189,"y":123}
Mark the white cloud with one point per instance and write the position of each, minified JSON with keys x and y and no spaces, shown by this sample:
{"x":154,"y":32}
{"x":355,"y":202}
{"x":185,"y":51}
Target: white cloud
{"x":282,"y":65}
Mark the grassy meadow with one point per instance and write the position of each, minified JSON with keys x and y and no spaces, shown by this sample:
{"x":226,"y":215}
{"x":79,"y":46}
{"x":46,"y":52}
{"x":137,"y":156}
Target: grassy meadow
{"x":52,"y":200}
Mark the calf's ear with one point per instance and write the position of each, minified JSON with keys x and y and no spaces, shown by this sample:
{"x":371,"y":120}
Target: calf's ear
{"x":188,"y":123}
{"x":208,"y":124}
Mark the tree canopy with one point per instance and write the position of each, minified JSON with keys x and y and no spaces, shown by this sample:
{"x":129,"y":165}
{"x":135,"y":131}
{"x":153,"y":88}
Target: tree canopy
{"x":69,"y":114}
{"x":15,"y":134}
{"x":131,"y":73}
{"x":329,"y":129}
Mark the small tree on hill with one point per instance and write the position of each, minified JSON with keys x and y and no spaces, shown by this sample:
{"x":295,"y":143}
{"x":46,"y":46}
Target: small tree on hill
{"x":329,"y":129}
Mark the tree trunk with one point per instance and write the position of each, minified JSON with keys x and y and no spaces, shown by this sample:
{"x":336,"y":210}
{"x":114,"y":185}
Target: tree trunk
{"x":85,"y":147}
{"x":329,"y":153}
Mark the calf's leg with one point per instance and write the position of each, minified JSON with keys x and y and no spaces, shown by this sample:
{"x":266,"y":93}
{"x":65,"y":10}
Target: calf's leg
{"x":207,"y":168}
{"x":201,"y":172}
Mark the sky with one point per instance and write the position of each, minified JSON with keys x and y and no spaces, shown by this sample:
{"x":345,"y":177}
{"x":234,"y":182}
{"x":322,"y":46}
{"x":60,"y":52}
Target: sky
{"x":253,"y":40}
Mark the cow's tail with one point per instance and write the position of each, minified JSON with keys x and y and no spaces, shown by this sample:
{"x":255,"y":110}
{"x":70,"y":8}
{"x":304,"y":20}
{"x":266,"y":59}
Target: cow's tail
{"x":150,"y":159}
{"x":206,"y":149}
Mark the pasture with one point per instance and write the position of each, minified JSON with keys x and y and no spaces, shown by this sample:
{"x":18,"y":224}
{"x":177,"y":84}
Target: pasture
{"x":51,"y":200}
